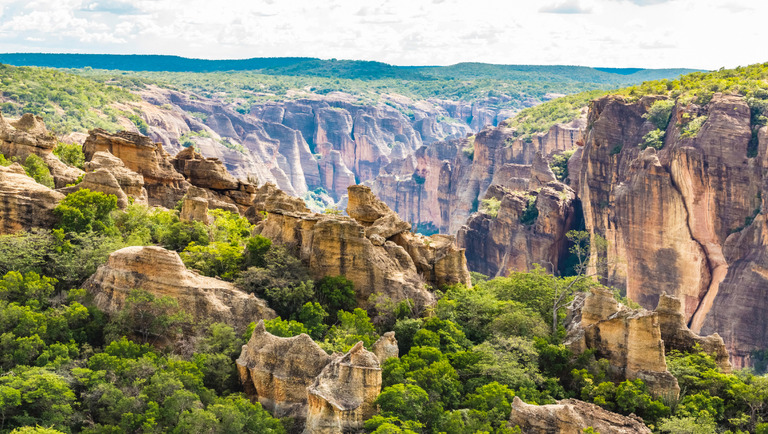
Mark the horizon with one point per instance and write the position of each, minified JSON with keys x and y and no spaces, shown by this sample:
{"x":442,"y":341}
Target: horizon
{"x":597,"y":67}
{"x":696,"y":34}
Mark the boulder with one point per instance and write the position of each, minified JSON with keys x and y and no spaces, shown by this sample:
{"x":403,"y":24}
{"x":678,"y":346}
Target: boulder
{"x":161,"y":272}
{"x":103,"y":181}
{"x":571,"y":416}
{"x":386,"y":347}
{"x":24,"y":204}
{"x":204,"y":172}
{"x":130,"y":182}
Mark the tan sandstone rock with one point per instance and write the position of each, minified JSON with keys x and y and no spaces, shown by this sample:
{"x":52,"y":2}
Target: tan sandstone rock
{"x":629,"y":339}
{"x":24,"y":204}
{"x":572,"y":416}
{"x":342,"y":397}
{"x":386,"y":347}
{"x":162,"y":273}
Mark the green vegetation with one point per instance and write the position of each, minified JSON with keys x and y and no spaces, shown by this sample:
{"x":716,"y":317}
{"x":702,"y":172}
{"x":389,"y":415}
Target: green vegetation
{"x":530,"y":213}
{"x":36,"y":168}
{"x":660,"y":112}
{"x":692,"y":127}
{"x":541,"y":118}
{"x":654,"y":139}
{"x":559,"y":164}
{"x":70,"y":154}
{"x":490,"y":206}
{"x":66,"y":102}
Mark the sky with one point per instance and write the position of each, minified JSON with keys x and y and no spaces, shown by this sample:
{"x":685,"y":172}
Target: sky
{"x":705,"y":34}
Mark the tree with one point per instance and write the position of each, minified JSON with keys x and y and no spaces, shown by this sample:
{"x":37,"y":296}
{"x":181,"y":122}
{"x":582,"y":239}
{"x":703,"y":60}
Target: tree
{"x":149,"y":318}
{"x":335,"y":293}
{"x":581,"y":249}
{"x":86,"y":211}
{"x":38,"y":170}
{"x":70,"y":154}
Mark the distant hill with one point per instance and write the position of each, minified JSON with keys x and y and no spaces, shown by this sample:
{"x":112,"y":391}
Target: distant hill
{"x":351,"y":69}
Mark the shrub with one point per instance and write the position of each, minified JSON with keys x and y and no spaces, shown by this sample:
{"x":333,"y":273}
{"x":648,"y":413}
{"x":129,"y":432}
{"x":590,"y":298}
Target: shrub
{"x":335,"y":293}
{"x":215,"y":259}
{"x":86,"y":211}
{"x":140,"y":123}
{"x":691,"y":129}
{"x":660,"y":112}
{"x":71,"y":154}
{"x":38,"y":170}
{"x":654,"y":139}
{"x":490,"y":206}
{"x":530,"y":213}
{"x":559,"y":164}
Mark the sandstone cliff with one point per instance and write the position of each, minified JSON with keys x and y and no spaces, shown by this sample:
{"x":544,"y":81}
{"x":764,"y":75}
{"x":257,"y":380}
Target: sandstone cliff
{"x":294,"y":377}
{"x":674,"y":216}
{"x":440,"y":186}
{"x":162,"y":273}
{"x":24,"y":204}
{"x":372,"y":247}
{"x":572,"y":416}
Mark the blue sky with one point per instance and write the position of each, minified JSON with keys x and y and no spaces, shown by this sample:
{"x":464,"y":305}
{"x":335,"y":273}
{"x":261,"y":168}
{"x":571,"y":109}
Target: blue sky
{"x":618,"y":33}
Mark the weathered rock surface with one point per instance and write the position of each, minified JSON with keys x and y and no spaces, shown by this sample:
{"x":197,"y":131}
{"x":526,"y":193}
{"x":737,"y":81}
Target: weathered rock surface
{"x":342,"y":397}
{"x":629,"y":339}
{"x":498,"y":245}
{"x":24,"y":204}
{"x":165,"y":186}
{"x":677,"y":335}
{"x":386,"y":347}
{"x":162,"y":273}
{"x":28,"y":135}
{"x":669,"y":215}
{"x":294,"y":377}
{"x":572,"y":416}
{"x":440,"y":186}
{"x":338,"y":245}
{"x":129,"y":181}
{"x":278,"y":371}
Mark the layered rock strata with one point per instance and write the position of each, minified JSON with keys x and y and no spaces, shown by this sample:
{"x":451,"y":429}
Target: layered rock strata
{"x":162,"y":273}
{"x":572,"y":416}
{"x":397,"y":266}
{"x":293,"y":377}
{"x":24,"y":204}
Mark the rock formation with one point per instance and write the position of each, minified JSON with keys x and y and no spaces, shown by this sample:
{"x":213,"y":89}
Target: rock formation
{"x":294,"y":377}
{"x":165,"y":186}
{"x":28,"y":135}
{"x":130,"y":182}
{"x":572,"y":416}
{"x":673,"y":216}
{"x":629,"y":339}
{"x":677,"y":335}
{"x":386,"y":347}
{"x":24,"y":204}
{"x":342,"y":397}
{"x":440,"y":186}
{"x":398,"y":266}
{"x":512,"y":241}
{"x":162,"y":273}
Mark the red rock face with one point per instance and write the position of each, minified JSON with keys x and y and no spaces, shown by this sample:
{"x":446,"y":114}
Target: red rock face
{"x":675,"y":219}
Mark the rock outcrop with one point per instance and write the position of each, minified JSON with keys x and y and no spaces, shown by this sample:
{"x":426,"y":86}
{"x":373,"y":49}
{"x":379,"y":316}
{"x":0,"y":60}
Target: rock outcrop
{"x":529,"y":228}
{"x":130,"y":182}
{"x":398,"y":266}
{"x":677,"y":335}
{"x":162,"y":273}
{"x":572,"y":416}
{"x":165,"y":186}
{"x":24,"y":204}
{"x":386,"y":347}
{"x":28,"y":135}
{"x":629,"y":339}
{"x":293,"y":377}
{"x":342,"y":397}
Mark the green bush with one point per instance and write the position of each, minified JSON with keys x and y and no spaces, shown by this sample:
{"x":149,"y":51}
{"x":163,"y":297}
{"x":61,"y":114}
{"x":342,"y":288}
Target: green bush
{"x":38,"y":170}
{"x":71,"y":154}
{"x":217,"y":259}
{"x":660,"y":112}
{"x":335,"y":293}
{"x":86,"y":211}
{"x":691,"y":129}
{"x":559,"y":164}
{"x":490,"y":206}
{"x":654,"y":139}
{"x":530,"y":213}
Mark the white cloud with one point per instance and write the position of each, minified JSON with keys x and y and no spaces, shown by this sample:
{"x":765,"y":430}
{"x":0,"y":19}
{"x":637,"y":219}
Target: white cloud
{"x":617,"y":33}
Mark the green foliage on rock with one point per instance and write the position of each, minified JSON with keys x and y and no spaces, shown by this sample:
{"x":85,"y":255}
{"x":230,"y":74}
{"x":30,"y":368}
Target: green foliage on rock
{"x":36,"y":168}
{"x":70,"y":154}
{"x":85,"y":211}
